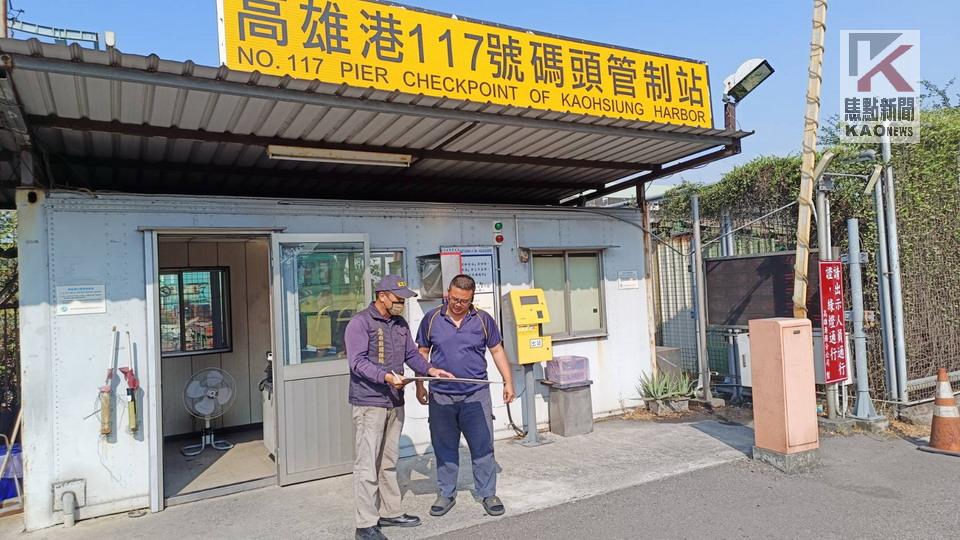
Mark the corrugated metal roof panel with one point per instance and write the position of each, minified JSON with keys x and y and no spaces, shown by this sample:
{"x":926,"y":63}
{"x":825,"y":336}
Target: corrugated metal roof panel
{"x":149,"y":98}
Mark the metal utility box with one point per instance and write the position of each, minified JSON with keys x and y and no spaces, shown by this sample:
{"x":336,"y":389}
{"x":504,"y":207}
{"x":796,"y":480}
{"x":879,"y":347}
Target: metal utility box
{"x":784,"y":400}
{"x":528,"y":314}
{"x":743,"y":358}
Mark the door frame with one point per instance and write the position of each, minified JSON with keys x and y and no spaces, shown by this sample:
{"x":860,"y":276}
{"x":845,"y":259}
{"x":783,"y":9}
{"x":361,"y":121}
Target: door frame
{"x":283,"y":372}
{"x":153,"y":402}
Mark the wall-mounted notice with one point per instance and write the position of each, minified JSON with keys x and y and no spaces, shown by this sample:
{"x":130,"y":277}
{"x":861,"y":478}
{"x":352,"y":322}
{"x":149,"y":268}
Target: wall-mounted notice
{"x":477,"y":262}
{"x":81,"y":299}
{"x":629,"y":279}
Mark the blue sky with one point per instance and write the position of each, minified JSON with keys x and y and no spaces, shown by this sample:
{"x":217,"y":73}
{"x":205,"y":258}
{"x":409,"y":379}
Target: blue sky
{"x":723,"y":34}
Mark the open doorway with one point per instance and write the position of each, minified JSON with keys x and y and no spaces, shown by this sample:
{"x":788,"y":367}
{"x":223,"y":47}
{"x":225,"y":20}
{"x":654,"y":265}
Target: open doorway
{"x":217,"y":413}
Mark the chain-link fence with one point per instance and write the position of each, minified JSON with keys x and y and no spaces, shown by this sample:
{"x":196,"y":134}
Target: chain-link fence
{"x":730,"y":232}
{"x":673,"y":296}
{"x":928,"y":204}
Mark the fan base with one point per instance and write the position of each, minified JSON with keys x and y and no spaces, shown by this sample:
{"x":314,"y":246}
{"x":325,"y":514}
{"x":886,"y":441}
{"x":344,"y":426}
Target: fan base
{"x":207,"y":439}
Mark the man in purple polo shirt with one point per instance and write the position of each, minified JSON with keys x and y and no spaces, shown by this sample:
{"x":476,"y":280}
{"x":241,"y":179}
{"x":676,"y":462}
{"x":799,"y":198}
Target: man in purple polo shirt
{"x":456,"y":336}
{"x":378,"y":343}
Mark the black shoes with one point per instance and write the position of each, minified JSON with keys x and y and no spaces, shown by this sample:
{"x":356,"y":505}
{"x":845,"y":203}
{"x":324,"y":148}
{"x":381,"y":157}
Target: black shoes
{"x":406,"y":520}
{"x":369,"y":533}
{"x":373,"y":533}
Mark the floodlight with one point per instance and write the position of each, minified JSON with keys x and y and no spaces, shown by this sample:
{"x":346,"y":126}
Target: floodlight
{"x":747,"y":77}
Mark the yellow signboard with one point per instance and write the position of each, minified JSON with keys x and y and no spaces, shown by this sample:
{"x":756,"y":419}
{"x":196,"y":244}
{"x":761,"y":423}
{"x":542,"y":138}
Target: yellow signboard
{"x":395,"y":48}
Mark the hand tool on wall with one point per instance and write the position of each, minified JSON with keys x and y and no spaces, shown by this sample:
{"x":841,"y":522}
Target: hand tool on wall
{"x":106,"y":396}
{"x":133,"y":384}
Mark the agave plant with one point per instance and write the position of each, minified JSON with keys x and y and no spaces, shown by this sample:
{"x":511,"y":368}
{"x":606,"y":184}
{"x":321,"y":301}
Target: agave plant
{"x":665,"y":386}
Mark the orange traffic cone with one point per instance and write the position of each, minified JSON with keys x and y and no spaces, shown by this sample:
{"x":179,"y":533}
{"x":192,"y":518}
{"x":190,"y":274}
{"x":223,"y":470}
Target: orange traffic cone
{"x":945,"y":428}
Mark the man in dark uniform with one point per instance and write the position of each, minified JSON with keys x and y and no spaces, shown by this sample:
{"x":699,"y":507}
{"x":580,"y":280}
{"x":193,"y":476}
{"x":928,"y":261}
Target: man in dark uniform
{"x":456,"y":337}
{"x":378,"y":343}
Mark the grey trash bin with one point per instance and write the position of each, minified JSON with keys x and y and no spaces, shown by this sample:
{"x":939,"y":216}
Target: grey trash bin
{"x":571,"y":408}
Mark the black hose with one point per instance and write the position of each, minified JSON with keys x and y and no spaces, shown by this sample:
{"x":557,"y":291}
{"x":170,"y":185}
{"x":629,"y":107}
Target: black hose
{"x":518,"y":431}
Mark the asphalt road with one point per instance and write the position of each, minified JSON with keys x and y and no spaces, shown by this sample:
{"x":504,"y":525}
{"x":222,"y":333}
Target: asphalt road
{"x":867,"y":487}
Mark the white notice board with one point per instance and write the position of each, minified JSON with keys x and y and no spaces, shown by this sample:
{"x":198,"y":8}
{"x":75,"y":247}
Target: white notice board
{"x":81,"y":299}
{"x":478,"y":262}
{"x":629,"y":279}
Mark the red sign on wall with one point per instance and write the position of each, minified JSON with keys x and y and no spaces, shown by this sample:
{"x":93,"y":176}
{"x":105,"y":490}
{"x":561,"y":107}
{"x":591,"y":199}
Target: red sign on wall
{"x":831,"y":313}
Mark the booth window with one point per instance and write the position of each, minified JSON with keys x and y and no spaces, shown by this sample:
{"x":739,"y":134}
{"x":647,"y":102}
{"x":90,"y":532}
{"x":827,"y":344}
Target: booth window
{"x":572,"y":285}
{"x":386,"y":261}
{"x":194,"y":308}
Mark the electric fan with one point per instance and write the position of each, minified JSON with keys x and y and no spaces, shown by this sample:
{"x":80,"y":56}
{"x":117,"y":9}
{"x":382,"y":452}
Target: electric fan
{"x":207,"y":395}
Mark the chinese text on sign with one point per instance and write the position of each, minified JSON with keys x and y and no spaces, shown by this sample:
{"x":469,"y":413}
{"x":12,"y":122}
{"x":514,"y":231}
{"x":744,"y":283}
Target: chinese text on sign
{"x":394,"y":48}
{"x":832,"y":321}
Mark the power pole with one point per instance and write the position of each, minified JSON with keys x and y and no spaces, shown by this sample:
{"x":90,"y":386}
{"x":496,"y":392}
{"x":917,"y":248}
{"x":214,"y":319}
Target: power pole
{"x":810,"y":125}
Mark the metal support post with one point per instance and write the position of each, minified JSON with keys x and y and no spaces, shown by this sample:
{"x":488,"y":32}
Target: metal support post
{"x":729,"y":113}
{"x":823,"y":244}
{"x":530,"y":408}
{"x":700,"y":286}
{"x":896,"y":290}
{"x":883,"y":284}
{"x":727,"y":250}
{"x":650,"y":274}
{"x":727,"y":246}
{"x":864,"y":409}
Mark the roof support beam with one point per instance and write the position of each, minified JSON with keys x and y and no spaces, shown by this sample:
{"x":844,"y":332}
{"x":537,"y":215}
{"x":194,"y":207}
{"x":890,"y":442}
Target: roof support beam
{"x":289,"y":176}
{"x":137,"y":76}
{"x":703,"y":159}
{"x":80,"y":124}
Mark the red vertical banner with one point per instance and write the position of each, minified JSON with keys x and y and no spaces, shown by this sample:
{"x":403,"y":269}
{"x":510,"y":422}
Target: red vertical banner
{"x":832,"y":321}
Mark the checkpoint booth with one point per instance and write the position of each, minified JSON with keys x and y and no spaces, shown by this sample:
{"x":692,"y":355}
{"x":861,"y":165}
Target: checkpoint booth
{"x":217,"y":226}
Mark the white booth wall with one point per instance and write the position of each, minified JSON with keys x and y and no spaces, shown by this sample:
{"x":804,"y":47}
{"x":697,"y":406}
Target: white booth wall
{"x":66,"y":238}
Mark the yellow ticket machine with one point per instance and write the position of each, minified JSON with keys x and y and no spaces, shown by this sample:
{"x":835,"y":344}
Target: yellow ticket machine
{"x":526,"y":316}
{"x":529,"y":315}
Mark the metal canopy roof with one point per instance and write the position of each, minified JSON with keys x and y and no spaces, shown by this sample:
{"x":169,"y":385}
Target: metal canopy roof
{"x":105,"y":120}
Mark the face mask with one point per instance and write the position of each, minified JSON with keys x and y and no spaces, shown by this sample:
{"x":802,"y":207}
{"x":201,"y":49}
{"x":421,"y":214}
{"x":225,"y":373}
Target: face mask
{"x":395,"y":309}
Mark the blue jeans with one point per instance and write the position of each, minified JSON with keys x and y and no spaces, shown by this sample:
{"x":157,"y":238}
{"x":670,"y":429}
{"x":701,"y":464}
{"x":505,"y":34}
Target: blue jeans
{"x":471,"y":415}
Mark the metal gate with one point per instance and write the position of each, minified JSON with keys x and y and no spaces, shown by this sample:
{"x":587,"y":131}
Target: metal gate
{"x":727,"y":232}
